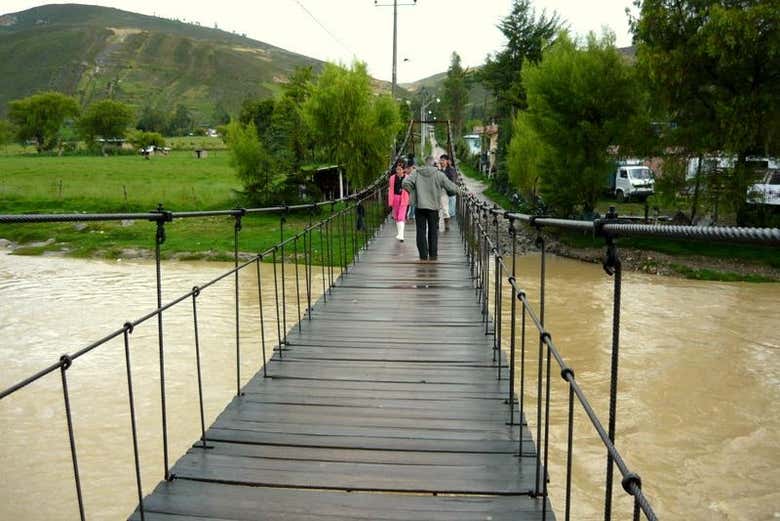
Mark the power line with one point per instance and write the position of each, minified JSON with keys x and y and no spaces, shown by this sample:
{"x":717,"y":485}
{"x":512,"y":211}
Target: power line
{"x":336,"y":38}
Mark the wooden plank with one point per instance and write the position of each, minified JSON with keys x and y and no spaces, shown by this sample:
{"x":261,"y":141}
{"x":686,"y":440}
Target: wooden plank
{"x":218,"y":502}
{"x":386,"y":405}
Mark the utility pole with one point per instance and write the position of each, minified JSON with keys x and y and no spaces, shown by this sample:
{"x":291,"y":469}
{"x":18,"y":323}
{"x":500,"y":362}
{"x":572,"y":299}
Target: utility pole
{"x":395,"y":5}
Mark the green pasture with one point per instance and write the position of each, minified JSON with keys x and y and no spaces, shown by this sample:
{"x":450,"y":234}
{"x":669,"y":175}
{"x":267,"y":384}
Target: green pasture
{"x":32,"y":184}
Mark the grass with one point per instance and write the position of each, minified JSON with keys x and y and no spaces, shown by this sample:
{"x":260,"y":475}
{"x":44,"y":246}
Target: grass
{"x":196,"y":142}
{"x":727,"y":276}
{"x":759,"y":254}
{"x":30,"y":184}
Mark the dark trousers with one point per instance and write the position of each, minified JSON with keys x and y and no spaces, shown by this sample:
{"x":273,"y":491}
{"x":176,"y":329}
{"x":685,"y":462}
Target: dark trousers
{"x":427,"y":241}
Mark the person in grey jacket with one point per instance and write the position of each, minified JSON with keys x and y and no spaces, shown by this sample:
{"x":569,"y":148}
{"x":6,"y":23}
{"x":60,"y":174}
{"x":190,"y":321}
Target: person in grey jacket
{"x":425,"y":186}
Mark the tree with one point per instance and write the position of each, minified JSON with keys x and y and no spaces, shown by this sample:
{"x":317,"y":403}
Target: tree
{"x":221,"y":116}
{"x":258,"y":112}
{"x":40,"y":117}
{"x":580,"y":102}
{"x":107,"y":119}
{"x":353,"y":127}
{"x":527,"y":38}
{"x":261,"y":175}
{"x":288,"y":112}
{"x":142,"y":139}
{"x":525,"y":156}
{"x":181,"y":122}
{"x":6,"y":132}
{"x":152,"y":119}
{"x":713,"y":69}
{"x":456,"y":94}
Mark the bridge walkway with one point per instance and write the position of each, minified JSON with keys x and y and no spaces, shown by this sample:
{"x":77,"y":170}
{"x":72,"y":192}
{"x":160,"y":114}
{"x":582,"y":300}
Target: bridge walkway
{"x":385,"y":406}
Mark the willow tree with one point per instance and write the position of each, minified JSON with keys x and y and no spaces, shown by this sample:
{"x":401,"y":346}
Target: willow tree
{"x":351,"y":125}
{"x":581,"y":100}
{"x":40,"y":117}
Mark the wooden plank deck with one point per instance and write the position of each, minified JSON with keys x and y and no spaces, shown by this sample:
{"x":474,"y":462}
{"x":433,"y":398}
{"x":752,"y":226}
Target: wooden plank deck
{"x":385,"y":406}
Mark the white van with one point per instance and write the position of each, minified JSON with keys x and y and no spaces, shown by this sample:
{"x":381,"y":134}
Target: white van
{"x":767,"y":190}
{"x":632,"y":182}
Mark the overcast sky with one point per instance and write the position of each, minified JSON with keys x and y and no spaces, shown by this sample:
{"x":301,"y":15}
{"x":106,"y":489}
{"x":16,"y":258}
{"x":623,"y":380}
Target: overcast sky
{"x":338,"y":30}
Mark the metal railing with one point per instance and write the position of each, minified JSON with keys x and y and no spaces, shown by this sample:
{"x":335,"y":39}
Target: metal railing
{"x":349,"y":228}
{"x":481,"y":231}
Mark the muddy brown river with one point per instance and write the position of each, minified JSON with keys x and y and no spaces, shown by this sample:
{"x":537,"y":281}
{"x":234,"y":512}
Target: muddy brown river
{"x":698,"y":409}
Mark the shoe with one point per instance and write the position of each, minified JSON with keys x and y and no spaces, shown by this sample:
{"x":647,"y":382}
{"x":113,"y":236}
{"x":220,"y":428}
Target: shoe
{"x":433,"y":258}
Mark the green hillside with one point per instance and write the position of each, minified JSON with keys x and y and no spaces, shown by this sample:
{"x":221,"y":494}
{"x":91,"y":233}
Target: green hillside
{"x":96,"y":52}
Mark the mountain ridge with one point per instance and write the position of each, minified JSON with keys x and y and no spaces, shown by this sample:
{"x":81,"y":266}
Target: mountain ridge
{"x":94,"y":52}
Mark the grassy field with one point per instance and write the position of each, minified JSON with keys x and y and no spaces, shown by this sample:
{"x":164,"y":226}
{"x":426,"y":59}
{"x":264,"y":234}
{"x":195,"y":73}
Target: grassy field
{"x":195,"y":142}
{"x":119,"y":183}
{"x":30,"y":184}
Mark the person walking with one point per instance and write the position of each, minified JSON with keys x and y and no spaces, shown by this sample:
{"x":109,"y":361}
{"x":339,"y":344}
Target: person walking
{"x":398,"y":198}
{"x":409,"y":169}
{"x":452,"y":175}
{"x":425,"y":185}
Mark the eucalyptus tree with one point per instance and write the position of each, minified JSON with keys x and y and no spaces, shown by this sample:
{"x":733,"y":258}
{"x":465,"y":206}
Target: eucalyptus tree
{"x":455,"y":94}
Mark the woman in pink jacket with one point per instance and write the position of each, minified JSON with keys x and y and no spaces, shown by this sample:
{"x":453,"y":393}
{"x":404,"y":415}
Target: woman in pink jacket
{"x":398,"y":198}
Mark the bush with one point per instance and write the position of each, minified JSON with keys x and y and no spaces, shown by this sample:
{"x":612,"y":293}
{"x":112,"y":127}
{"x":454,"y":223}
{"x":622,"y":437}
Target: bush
{"x":142,"y":139}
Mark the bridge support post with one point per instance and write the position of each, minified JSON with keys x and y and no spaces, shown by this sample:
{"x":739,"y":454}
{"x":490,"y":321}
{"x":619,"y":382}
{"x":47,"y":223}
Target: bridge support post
{"x":613,"y":268}
{"x":65,"y":363}
{"x":164,"y":216}
{"x":236,"y":232}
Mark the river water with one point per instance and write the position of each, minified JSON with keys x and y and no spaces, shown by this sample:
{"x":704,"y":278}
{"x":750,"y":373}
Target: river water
{"x":698,"y":411}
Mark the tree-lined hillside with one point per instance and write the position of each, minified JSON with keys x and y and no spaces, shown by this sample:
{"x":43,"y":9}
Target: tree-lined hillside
{"x":95,"y":52}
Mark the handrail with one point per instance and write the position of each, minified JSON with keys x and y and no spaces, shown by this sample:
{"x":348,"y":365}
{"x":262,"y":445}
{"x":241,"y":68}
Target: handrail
{"x":345,"y":235}
{"x":613,"y":227}
{"x":482,"y":248}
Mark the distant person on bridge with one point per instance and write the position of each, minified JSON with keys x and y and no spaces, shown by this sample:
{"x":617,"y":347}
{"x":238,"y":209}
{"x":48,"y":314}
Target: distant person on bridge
{"x":425,"y":185}
{"x":452,"y":175}
{"x":409,"y":169}
{"x":398,"y":198}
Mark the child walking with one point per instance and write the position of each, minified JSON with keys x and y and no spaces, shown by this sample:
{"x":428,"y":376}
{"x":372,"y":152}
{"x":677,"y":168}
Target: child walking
{"x":398,"y":198}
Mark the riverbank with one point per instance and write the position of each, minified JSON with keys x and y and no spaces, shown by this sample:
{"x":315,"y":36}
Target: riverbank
{"x":686,"y":259}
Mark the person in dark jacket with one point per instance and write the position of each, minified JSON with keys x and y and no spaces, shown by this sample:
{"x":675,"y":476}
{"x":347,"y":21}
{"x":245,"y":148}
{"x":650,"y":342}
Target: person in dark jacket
{"x":425,"y":186}
{"x":452,"y":175}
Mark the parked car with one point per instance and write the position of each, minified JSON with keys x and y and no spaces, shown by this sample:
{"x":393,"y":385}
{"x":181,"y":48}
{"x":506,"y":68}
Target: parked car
{"x":631,"y":182}
{"x":767,"y":190}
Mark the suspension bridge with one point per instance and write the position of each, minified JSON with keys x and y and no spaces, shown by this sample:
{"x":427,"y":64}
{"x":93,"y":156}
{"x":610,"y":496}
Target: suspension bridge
{"x":396,"y":392}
